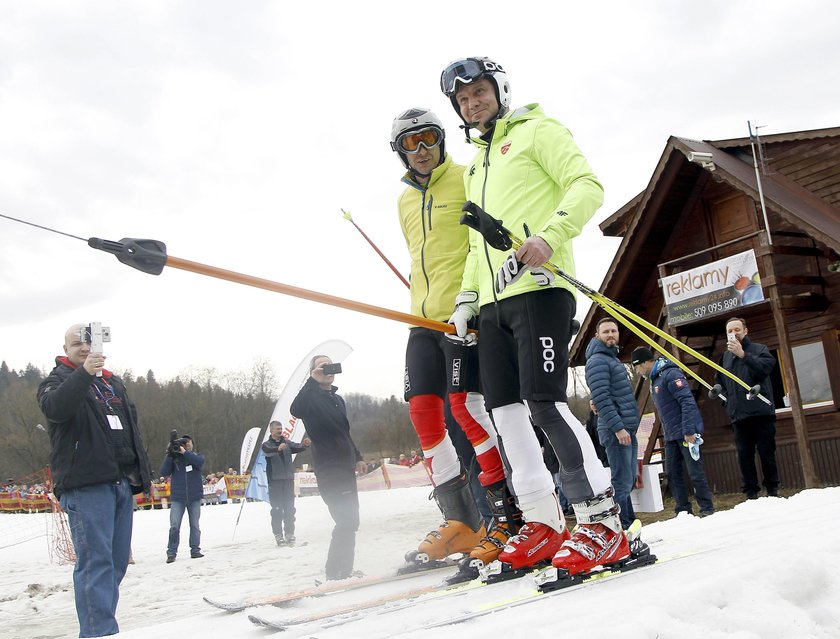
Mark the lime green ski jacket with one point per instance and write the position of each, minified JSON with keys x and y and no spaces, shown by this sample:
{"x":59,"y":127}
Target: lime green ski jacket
{"x":437,"y":242}
{"x":531,"y":172}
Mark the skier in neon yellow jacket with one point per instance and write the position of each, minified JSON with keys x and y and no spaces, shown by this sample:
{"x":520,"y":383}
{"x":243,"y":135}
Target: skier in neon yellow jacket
{"x":529,"y":173}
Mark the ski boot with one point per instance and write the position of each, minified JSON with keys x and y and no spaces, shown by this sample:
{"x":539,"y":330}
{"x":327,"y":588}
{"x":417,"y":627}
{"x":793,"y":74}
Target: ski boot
{"x":461,"y":530}
{"x":557,"y":577}
{"x":507,"y":520}
{"x":598,"y":539}
{"x":536,"y":542}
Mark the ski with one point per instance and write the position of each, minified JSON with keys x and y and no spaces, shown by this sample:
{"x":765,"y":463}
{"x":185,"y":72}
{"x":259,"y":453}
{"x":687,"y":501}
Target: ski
{"x":353,"y":612}
{"x":322,"y":589}
{"x":490,"y":575}
{"x":559,"y":586}
{"x":380,"y":605}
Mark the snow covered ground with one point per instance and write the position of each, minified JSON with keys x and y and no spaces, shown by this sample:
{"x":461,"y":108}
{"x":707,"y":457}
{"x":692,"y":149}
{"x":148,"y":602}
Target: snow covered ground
{"x":770,"y":568}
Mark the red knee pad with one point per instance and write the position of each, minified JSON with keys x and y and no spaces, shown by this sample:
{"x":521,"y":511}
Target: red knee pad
{"x":426,"y":413}
{"x":490,"y":461}
{"x":458,"y":405}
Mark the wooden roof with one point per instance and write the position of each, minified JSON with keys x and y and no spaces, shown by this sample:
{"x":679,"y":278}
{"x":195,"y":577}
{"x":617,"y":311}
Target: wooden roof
{"x":801,"y":184}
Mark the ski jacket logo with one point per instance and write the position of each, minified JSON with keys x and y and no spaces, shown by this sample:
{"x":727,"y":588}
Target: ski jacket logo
{"x":505,"y":148}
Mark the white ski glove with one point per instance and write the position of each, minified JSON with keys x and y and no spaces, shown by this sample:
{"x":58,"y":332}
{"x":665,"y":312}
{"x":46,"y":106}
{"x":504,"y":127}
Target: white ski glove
{"x":509,"y":272}
{"x":542,"y":276}
{"x":466,"y":308}
{"x":512,"y":269}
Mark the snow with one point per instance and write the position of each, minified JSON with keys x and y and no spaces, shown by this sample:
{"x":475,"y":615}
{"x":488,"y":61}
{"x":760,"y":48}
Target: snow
{"x":767,"y":568}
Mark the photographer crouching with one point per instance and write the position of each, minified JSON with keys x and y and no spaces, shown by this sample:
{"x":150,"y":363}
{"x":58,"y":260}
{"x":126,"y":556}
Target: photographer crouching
{"x":186,"y":489}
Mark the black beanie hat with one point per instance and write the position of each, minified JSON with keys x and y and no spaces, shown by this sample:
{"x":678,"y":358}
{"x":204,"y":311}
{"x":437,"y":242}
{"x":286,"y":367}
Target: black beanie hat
{"x":641,"y":354}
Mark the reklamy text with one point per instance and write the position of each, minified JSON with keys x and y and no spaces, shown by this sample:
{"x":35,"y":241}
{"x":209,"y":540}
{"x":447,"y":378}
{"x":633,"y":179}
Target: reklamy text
{"x":691,"y":282}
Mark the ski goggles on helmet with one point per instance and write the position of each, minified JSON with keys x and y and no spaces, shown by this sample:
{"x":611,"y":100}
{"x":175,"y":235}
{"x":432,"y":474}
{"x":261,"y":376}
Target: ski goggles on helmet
{"x":410,"y":142}
{"x":467,"y":71}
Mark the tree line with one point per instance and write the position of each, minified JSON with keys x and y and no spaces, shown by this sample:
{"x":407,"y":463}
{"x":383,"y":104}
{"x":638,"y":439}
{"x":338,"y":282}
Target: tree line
{"x":215,"y":409}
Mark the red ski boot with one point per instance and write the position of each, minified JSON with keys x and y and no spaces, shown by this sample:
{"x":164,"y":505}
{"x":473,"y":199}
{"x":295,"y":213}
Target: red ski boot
{"x":534,"y":543}
{"x":598,"y":539}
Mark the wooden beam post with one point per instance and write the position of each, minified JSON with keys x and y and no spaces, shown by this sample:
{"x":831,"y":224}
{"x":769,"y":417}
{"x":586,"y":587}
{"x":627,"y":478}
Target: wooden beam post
{"x":789,"y":371}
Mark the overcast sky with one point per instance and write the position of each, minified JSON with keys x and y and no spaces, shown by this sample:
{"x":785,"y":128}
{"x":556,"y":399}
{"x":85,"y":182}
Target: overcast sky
{"x":236,"y":131}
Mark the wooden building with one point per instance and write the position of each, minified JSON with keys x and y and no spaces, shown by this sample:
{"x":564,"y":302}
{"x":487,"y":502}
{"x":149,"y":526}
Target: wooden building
{"x":702,"y":204}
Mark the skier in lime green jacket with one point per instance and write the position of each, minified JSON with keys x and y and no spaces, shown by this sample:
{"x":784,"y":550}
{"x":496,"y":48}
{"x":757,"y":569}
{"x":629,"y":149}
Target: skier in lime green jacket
{"x":529,"y":173}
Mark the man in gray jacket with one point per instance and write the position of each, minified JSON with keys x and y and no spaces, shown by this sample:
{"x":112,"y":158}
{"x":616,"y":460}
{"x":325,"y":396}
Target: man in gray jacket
{"x":281,"y":482}
{"x":618,"y":415}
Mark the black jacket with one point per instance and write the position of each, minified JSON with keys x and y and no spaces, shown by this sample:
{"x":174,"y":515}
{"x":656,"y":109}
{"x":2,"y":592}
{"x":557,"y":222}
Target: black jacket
{"x":325,"y":417}
{"x":279,"y":462}
{"x":82,"y":448}
{"x":754,"y":368}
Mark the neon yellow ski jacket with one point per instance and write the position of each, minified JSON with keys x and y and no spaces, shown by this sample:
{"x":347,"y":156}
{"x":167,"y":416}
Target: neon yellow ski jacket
{"x":531,"y":172}
{"x":437,"y":242}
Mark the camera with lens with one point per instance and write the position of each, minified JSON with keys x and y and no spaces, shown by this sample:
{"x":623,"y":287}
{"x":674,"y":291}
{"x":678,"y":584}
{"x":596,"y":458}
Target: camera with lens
{"x":175,"y":444}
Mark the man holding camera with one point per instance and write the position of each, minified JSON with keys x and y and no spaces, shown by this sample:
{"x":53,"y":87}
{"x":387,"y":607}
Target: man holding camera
{"x":753,"y":421}
{"x":98,"y":462}
{"x":281,"y":482}
{"x":335,"y":458}
{"x":183,"y":466}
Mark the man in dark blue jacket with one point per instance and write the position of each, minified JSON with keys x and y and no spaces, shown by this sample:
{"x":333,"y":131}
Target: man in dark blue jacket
{"x":618,"y":415}
{"x":98,"y":461}
{"x":186,"y":489}
{"x":682,"y":425}
{"x":281,"y":482}
{"x":753,"y":421}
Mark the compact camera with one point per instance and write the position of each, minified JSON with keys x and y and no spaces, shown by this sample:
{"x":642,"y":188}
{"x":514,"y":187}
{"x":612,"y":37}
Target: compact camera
{"x":730,"y":337}
{"x":95,"y":334}
{"x":331,"y":369}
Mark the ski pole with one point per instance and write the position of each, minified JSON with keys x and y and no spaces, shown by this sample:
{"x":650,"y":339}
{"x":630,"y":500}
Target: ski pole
{"x":128,"y":251}
{"x":500,"y":238}
{"x":349,"y":218}
{"x":149,"y":256}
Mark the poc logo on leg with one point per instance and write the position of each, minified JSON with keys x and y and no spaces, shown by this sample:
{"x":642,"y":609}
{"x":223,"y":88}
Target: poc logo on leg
{"x":547,"y":344}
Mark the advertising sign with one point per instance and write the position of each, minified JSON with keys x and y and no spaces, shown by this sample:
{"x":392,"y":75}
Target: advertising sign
{"x":712,"y":289}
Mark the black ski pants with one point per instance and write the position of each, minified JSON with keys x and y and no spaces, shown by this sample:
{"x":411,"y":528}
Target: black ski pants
{"x":757,"y":434}
{"x":340,"y":494}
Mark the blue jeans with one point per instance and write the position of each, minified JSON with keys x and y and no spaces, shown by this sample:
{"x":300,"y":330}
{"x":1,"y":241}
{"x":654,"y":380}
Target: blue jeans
{"x":677,"y":456}
{"x":176,"y":514}
{"x":623,"y":465}
{"x":100,"y":517}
